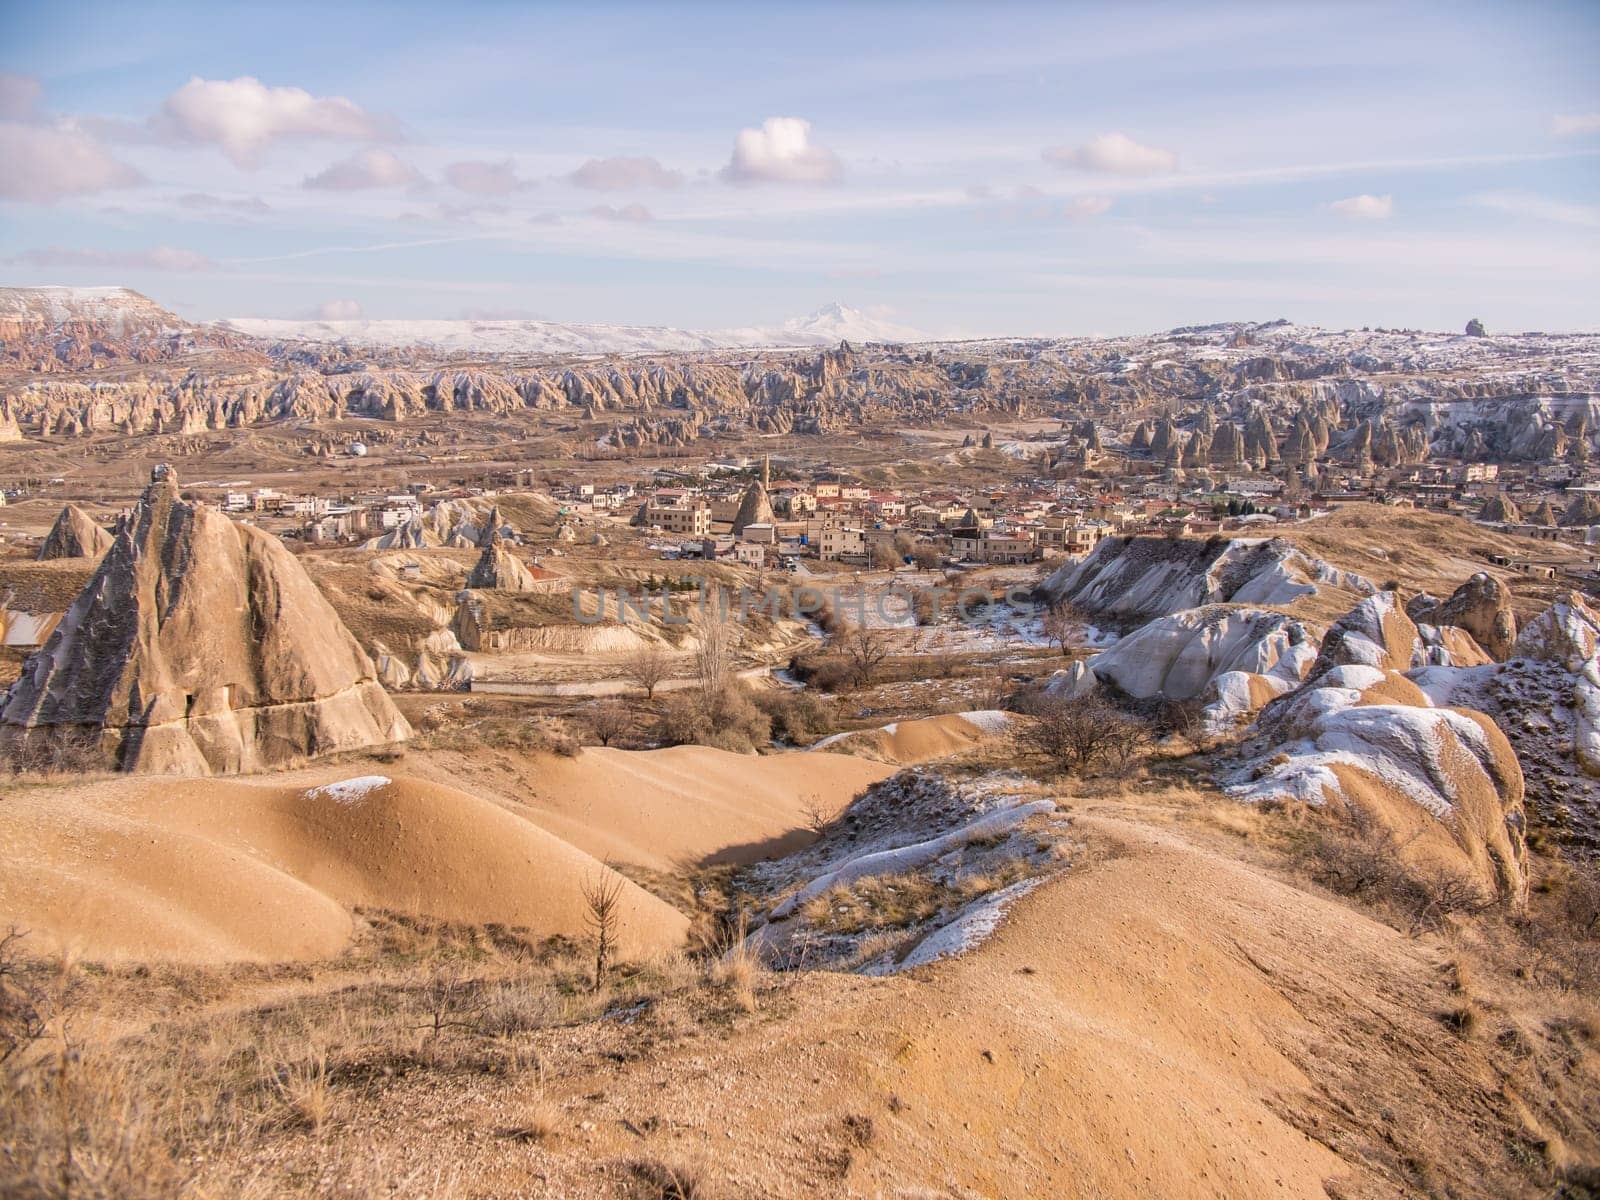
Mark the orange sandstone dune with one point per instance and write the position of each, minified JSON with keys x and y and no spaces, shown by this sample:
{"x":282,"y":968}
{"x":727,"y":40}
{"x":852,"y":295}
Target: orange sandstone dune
{"x":677,"y":807}
{"x":212,"y":871}
{"x":921,"y":740}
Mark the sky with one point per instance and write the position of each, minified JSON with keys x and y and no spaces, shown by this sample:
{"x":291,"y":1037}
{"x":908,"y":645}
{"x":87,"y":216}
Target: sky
{"x":960,"y":170}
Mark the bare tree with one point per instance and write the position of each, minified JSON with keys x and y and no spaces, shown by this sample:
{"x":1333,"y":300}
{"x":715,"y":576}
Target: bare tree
{"x":864,"y":650}
{"x":23,"y":1009}
{"x":816,"y":813}
{"x":648,"y":666}
{"x":711,"y":657}
{"x":1058,"y":627}
{"x":602,"y":898}
{"x":608,"y":721}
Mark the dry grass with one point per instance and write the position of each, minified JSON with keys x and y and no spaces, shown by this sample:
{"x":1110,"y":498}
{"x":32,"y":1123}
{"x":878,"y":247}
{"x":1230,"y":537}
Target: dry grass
{"x":304,"y":1090}
{"x":538,"y":1119}
{"x":739,"y":969}
{"x":662,"y":1179}
{"x":172,"y":1082}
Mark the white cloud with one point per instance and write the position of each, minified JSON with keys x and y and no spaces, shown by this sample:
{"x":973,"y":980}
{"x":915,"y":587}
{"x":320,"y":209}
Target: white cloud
{"x":45,"y":163}
{"x":1575,"y":124}
{"x":339,"y":310}
{"x":1365,"y":207}
{"x":617,"y":174}
{"x":781,"y":151}
{"x":19,"y":97}
{"x":1526,"y":204}
{"x":628,"y":212}
{"x":158,"y":258}
{"x":1081,"y":208}
{"x":364,"y":169}
{"x":1114,"y":154}
{"x":244,"y":116}
{"x":485,"y":178}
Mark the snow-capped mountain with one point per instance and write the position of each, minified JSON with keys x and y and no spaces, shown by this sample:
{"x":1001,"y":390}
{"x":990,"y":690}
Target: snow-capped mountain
{"x":826,"y":326}
{"x":840,"y":323}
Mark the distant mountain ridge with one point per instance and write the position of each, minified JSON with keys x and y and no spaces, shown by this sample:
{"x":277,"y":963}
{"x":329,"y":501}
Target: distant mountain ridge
{"x":827,"y":326}
{"x":49,"y":329}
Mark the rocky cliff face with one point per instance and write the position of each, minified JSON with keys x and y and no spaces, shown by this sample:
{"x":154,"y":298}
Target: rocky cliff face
{"x":198,"y":647}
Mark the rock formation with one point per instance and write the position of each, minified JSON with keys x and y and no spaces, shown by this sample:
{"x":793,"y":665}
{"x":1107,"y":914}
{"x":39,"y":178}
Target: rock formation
{"x":74,"y":535}
{"x":1375,"y":633}
{"x":1150,"y":576}
{"x":1583,"y":510}
{"x":1481,"y":606}
{"x":1568,"y":632}
{"x":198,"y":647}
{"x":754,"y":509}
{"x":498,"y":568}
{"x":1444,"y":781}
{"x":1232,"y":658}
{"x":1502,"y":509}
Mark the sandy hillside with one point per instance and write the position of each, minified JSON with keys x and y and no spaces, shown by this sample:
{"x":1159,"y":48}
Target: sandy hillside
{"x":214,"y":871}
{"x":1148,"y":1023}
{"x":674,"y":808}
{"x":921,"y":740}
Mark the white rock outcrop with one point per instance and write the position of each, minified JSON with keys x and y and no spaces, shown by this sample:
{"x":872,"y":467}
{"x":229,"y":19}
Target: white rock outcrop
{"x":1157,"y":576}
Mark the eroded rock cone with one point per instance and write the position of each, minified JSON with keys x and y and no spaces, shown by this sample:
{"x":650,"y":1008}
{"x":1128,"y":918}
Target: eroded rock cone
{"x":754,"y":509}
{"x":1377,"y":632}
{"x":74,"y":535}
{"x":1481,"y":606}
{"x":198,"y":647}
{"x":498,"y":568}
{"x":1501,"y":508}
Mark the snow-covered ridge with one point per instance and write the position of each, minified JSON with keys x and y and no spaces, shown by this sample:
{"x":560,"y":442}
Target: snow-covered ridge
{"x":118,"y":308}
{"x":1150,"y":576}
{"x":827,"y":326}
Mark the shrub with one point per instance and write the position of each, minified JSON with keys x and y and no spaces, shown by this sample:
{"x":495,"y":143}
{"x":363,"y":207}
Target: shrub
{"x":1363,"y":859}
{"x":682,"y":719}
{"x":1078,"y":734}
{"x":797,"y":717}
{"x":608,"y":722}
{"x":729,"y":720}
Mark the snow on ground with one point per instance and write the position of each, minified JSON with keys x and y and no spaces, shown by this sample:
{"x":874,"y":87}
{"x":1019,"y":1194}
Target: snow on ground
{"x":349,"y":793}
{"x":970,"y":929}
{"x":900,"y":859}
{"x":990,"y":720}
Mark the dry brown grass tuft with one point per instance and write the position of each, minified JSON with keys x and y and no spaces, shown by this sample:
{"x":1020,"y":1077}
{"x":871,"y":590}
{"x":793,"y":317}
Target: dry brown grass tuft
{"x":739,"y":969}
{"x":660,"y":1179}
{"x":538,"y":1119}
{"x":304,"y":1090}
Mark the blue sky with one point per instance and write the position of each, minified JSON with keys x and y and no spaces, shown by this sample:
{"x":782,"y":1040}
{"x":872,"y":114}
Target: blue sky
{"x":1043,"y":169}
